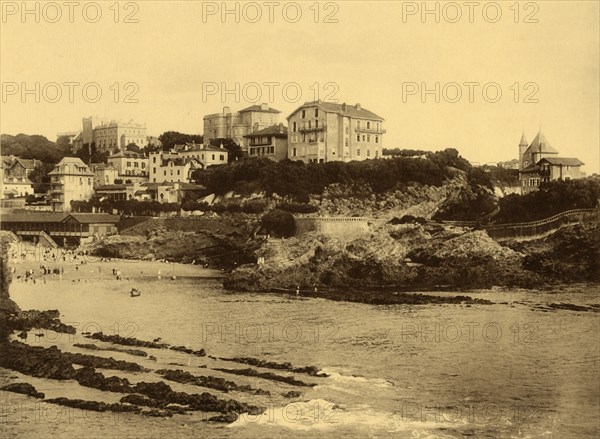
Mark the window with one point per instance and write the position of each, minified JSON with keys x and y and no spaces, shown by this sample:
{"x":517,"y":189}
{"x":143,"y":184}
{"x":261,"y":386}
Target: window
{"x":358,"y":151}
{"x":346,"y":142}
{"x":154,"y":170}
{"x":221,"y":157}
{"x":376,"y":139}
{"x":303,"y":114}
{"x":358,"y":124}
{"x":165,"y":172}
{"x":368,"y":153}
{"x":153,"y":159}
{"x":363,"y":139}
{"x":294,"y":126}
{"x":368,"y":137}
{"x":368,"y":124}
{"x":309,"y":124}
{"x":358,"y":137}
{"x":213,"y":156}
{"x":294,"y":152}
{"x":317,"y":123}
{"x":178,"y":172}
{"x":316,"y":112}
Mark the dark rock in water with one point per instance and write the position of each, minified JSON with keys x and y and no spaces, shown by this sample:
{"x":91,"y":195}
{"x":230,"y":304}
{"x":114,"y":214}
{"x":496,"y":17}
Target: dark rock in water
{"x":226,"y":418}
{"x":571,"y":307}
{"x":95,"y":406}
{"x":127,"y":341}
{"x":308,"y":370}
{"x":93,"y":347}
{"x":36,"y":361}
{"x":292,"y":394}
{"x":27,"y":320}
{"x":88,"y":377}
{"x":152,"y":357}
{"x":22,"y":335}
{"x":267,"y":376}
{"x":211,"y":382}
{"x":142,"y":400}
{"x":23,"y":388}
{"x":199,"y":353}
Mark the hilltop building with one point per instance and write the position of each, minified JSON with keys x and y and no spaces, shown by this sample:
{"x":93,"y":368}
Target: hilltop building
{"x":323,"y":132}
{"x":109,"y":135}
{"x":235,"y":126}
{"x":270,"y":142}
{"x":539,"y":163}
{"x":206,"y":154}
{"x":70,"y":180}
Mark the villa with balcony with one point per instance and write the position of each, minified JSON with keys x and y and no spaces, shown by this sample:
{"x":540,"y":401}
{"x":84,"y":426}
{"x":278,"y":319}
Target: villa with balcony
{"x":270,"y":142}
{"x":321,"y":132}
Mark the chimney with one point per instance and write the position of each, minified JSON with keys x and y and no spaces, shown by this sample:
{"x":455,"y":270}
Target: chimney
{"x":344,"y":106}
{"x":280,"y":127}
{"x":255,"y":127}
{"x":264,"y":106}
{"x":358,"y":107}
{"x":222,"y":147}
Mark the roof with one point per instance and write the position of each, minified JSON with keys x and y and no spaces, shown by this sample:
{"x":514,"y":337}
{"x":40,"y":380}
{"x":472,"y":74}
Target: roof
{"x":265,"y":109}
{"x":523,"y":141}
{"x":565,"y":161}
{"x":59,"y":217}
{"x":87,"y":218}
{"x":127,"y":154}
{"x":540,"y":144}
{"x":530,"y":169}
{"x":59,"y":169}
{"x":197,"y":147}
{"x":355,"y":111}
{"x":273,"y":130}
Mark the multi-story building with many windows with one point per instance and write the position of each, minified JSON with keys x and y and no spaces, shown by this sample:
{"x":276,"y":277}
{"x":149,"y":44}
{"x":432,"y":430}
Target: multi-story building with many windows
{"x":110,"y":135}
{"x":324,"y":132}
{"x":235,"y":126}
{"x":70,"y":180}
{"x":271,"y":143}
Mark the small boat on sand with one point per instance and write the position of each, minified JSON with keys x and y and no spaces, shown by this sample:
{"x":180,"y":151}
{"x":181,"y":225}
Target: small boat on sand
{"x":135,"y":292}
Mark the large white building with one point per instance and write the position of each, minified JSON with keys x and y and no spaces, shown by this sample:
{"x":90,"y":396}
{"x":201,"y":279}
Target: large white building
{"x":110,"y":135}
{"x":70,"y":180}
{"x":323,"y":132}
{"x":206,"y":154}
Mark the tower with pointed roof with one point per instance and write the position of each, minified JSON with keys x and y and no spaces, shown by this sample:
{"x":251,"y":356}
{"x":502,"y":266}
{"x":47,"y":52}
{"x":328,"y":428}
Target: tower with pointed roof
{"x":523,"y":145}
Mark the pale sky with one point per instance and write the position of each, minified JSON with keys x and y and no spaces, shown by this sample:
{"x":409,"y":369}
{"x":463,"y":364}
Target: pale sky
{"x":371,"y":54}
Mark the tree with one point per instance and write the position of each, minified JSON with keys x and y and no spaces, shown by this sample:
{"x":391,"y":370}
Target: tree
{"x":133,"y":148}
{"x":171,"y":138}
{"x":234,"y":150}
{"x":279,"y":223}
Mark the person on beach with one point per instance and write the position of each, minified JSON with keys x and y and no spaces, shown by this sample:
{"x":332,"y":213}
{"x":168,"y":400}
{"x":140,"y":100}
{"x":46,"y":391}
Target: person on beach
{"x":298,"y":290}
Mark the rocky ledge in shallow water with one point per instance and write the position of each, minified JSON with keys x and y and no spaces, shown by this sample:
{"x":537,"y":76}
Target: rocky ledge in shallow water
{"x":130,"y":341}
{"x":93,"y":347}
{"x":52,"y":363}
{"x":24,"y":389}
{"x":27,"y":320}
{"x":267,"y":376}
{"x":308,"y":370}
{"x":180,"y":376}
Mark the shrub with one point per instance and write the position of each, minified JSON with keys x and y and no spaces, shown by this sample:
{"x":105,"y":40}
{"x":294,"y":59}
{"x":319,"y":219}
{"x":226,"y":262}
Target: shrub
{"x":279,"y":223}
{"x":294,"y":207}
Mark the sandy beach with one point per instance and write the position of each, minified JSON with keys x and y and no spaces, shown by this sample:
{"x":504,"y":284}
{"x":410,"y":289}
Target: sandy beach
{"x":91,"y":269}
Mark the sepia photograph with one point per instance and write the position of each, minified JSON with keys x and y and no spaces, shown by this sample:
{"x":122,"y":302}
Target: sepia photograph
{"x":300,"y":219}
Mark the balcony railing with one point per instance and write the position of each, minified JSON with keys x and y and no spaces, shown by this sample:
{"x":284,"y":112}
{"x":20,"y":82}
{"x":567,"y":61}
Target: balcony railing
{"x":304,"y":128}
{"x":370,"y":130}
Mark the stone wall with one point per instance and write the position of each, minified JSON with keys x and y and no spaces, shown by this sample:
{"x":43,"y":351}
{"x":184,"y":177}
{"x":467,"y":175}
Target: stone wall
{"x":341,"y":227}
